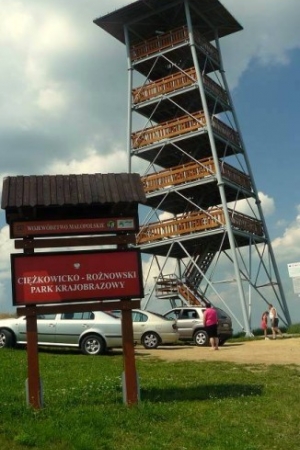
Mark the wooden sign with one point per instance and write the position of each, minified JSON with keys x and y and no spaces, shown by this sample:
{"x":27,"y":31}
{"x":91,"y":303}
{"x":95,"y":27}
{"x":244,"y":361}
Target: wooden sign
{"x":44,"y":278}
{"x":21,"y":229}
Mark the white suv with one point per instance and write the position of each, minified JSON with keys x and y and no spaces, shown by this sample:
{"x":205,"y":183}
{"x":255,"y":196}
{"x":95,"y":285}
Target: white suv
{"x":190,"y":324}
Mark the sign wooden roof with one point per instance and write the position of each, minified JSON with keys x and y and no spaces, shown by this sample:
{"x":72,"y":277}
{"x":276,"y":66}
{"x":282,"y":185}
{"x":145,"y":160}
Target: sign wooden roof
{"x":83,"y":195}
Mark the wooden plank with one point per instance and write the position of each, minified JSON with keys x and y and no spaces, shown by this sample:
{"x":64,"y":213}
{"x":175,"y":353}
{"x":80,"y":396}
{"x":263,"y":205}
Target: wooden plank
{"x":137,"y":192}
{"x":60,"y":194}
{"x":46,"y":190}
{"x":26,"y":191}
{"x":39,"y":188}
{"x":116,"y":195}
{"x":125,"y":239}
{"x":100,"y":188}
{"x":32,"y":191}
{"x":73,"y":190}
{"x":53,"y":198}
{"x":86,"y":188}
{"x":93,"y":187}
{"x":124,"y":184}
{"x":12,"y":191}
{"x":80,"y":192}
{"x":67,"y":192}
{"x":106,"y":188}
{"x":19,"y":191}
{"x":80,"y":307}
{"x":5,"y":193}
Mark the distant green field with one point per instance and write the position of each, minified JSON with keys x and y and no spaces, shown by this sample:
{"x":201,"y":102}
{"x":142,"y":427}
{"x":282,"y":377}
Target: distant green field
{"x":184,"y":405}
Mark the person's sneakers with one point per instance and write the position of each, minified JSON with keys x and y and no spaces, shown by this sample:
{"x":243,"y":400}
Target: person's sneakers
{"x":266,"y":338}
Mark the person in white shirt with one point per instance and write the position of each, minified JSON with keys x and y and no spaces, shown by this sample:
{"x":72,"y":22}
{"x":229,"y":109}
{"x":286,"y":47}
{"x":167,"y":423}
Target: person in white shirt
{"x":274,"y":321}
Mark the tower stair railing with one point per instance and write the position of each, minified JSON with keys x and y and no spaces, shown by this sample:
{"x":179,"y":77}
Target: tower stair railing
{"x":190,"y":295}
{"x":180,"y":126}
{"x":170,"y":286}
{"x":192,"y":171}
{"x":174,"y":82}
{"x":196,"y":222}
{"x":197,"y":268}
{"x":170,"y":40}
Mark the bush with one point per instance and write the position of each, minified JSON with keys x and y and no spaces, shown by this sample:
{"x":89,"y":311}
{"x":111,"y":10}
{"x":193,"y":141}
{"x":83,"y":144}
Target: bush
{"x":294,"y":328}
{"x":260,"y":331}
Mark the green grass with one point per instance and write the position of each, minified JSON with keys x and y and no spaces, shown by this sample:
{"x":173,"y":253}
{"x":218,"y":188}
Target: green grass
{"x":257,"y":332}
{"x":184,"y":405}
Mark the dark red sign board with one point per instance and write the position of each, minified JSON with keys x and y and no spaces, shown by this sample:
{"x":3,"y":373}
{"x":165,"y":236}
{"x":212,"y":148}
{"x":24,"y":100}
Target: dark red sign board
{"x":58,"y":277}
{"x":22,"y":229}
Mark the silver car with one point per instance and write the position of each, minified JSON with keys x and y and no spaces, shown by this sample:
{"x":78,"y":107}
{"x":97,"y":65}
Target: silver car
{"x":92,"y":332}
{"x":151,"y":329}
{"x":191,"y":328}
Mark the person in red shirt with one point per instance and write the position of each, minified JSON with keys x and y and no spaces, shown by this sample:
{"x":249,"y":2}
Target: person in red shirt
{"x":264,"y":323}
{"x":210,"y":319}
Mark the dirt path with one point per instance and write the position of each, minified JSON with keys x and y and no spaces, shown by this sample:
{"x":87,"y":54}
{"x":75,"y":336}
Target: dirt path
{"x":279,"y":351}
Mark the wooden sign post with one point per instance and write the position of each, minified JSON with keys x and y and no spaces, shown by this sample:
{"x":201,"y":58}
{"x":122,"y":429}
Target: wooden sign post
{"x":75,"y":211}
{"x":33,"y":386}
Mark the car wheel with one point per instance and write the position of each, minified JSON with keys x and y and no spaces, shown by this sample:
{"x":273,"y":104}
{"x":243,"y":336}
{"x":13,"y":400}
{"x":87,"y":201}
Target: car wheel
{"x":201,"y":338}
{"x":6,"y":339}
{"x":93,"y":345}
{"x":150,"y":340}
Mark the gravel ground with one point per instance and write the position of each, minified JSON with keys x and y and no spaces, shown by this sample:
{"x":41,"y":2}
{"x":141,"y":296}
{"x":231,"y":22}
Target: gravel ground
{"x":280,"y":351}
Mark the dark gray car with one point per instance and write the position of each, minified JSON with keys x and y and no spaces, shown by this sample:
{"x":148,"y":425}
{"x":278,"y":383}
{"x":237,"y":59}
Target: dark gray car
{"x":190,"y":324}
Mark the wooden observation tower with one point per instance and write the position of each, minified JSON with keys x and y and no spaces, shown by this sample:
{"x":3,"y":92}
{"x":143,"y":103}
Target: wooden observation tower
{"x":204,"y":233}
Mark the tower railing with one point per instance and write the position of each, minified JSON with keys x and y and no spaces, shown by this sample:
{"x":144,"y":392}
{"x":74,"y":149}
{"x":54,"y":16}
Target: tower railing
{"x":187,"y":173}
{"x":197,"y":222}
{"x":174,"y":82}
{"x":167,"y":286}
{"x":180,"y":126}
{"x":189,"y":295}
{"x":171,"y":39}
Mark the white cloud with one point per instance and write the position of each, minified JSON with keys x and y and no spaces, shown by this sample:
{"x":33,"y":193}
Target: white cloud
{"x":16,"y":22}
{"x":271,"y":30}
{"x":287,"y":246}
{"x":6,"y":246}
{"x":55,"y":33}
{"x":52,"y":99}
{"x":92,"y":162}
{"x":248,"y":206}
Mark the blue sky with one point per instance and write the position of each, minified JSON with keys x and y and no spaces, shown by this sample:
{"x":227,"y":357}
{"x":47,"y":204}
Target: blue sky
{"x":64,"y":86}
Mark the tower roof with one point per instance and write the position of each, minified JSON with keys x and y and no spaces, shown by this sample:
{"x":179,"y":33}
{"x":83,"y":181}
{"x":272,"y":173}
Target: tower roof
{"x":143,"y":17}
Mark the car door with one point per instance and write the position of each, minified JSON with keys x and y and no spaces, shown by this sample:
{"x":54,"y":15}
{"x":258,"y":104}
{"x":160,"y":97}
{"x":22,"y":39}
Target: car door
{"x":187,"y":320}
{"x":70,"y":326}
{"x":139,"y":323}
{"x":175,"y":314}
{"x":46,"y":325}
{"x":20,"y":329}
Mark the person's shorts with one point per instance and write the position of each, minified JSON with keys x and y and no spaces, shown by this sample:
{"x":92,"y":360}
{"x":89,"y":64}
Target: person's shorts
{"x":212,"y":331}
{"x":275,"y":322}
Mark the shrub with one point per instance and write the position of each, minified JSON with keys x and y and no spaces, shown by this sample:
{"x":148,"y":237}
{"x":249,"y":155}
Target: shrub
{"x":294,"y":328}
